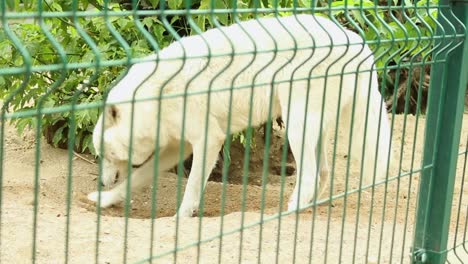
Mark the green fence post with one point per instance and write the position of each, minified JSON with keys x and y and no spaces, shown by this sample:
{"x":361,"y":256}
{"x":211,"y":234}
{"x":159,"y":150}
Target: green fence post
{"x":443,"y":127}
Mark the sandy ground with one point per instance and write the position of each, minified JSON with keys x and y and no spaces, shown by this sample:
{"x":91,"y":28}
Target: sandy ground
{"x":357,"y":228}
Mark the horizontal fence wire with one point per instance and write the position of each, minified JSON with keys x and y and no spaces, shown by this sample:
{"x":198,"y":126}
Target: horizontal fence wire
{"x":214,"y":11}
{"x":62,"y":65}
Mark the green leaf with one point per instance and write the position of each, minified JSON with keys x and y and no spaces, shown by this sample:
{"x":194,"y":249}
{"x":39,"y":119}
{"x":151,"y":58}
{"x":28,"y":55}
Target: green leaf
{"x":22,"y":123}
{"x":84,"y":4}
{"x":337,"y":3}
{"x":201,"y":19}
{"x":408,"y":4}
{"x":158,"y":32}
{"x":148,"y":21}
{"x":56,"y":120}
{"x":56,"y":7}
{"x":123,"y":22}
{"x":305,"y":3}
{"x":49,"y":103}
{"x":174,"y":4}
{"x":58,"y":136}
{"x":223,"y":18}
{"x":357,"y":15}
{"x":88,"y":144}
{"x":154,"y":3}
{"x":11,"y":4}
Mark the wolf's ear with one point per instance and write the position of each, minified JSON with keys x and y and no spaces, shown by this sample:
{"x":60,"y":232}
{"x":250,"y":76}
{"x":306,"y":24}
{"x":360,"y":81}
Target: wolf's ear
{"x":112,"y":112}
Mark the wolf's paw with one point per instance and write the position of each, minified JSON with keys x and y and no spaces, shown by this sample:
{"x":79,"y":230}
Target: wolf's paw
{"x":292,"y":205}
{"x":108,"y":198}
{"x":299,"y":204}
{"x":186,"y":211}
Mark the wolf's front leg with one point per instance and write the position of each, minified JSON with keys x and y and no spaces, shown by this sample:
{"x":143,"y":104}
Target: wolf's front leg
{"x":198,"y":176}
{"x":140,"y":177}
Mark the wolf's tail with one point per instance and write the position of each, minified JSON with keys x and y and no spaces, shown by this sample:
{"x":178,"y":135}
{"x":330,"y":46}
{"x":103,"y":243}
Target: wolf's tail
{"x":371,"y":142}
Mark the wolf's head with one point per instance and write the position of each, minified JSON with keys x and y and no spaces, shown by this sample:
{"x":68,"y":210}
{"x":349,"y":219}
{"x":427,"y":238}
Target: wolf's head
{"x":126,"y":130}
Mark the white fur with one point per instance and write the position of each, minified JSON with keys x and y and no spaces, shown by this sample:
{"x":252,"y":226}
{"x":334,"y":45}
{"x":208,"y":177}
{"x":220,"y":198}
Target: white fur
{"x":303,"y":57}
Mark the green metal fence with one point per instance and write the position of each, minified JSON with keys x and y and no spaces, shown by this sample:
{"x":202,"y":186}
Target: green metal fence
{"x":230,"y":97}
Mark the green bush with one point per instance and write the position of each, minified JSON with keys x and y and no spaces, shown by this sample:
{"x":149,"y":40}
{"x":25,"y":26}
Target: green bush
{"x":82,"y":85}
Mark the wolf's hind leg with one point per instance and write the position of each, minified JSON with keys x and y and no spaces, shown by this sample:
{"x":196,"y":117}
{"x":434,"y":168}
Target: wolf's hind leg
{"x":324,"y":170}
{"x":303,"y":146}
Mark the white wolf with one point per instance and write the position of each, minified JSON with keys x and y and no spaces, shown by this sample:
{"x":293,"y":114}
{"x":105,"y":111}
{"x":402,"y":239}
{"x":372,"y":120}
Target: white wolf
{"x":309,"y":70}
